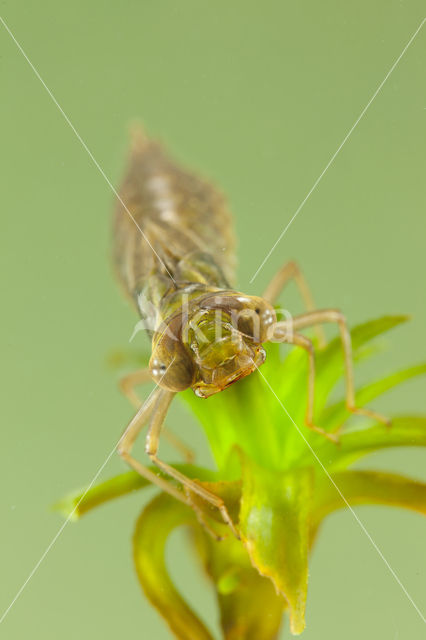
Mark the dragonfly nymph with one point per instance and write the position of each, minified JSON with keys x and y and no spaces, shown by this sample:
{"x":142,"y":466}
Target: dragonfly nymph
{"x":174,"y":253}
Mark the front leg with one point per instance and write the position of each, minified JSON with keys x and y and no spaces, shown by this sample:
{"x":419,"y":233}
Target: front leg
{"x":151,"y":447}
{"x":128,"y":439}
{"x":306,"y":344}
{"x":333,"y":315}
{"x":127,"y":386}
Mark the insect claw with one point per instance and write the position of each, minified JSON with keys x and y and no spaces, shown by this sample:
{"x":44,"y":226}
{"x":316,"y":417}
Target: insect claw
{"x":202,"y":519}
{"x":211,"y":532}
{"x":369,"y":413}
{"x":333,"y":437}
{"x":228,"y":520}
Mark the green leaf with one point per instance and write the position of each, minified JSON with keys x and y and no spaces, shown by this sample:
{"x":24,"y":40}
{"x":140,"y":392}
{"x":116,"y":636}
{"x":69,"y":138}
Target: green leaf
{"x":242,"y":593}
{"x":330,"y":360}
{"x":153,"y":527}
{"x":240,"y":416}
{"x":274,"y":528}
{"x":367,"y":487}
{"x":80,"y":502}
{"x":405,"y":431}
{"x":77,"y":504}
{"x":367,"y":331}
{"x":247,"y":413}
{"x":335,"y":415}
{"x":289,"y":381}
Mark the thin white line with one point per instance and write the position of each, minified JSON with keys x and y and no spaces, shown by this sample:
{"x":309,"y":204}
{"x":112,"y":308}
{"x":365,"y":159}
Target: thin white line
{"x":70,"y":515}
{"x":56,"y":536}
{"x":84,"y":145}
{"x":330,"y":162}
{"x":347,"y":503}
{"x":53,"y":541}
{"x":97,"y":165}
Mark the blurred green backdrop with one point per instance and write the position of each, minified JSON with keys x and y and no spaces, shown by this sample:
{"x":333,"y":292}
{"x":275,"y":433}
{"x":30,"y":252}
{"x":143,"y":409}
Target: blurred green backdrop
{"x":257,"y":96}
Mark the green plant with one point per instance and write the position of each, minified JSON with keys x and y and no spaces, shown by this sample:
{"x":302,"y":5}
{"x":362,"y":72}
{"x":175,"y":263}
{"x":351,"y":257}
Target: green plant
{"x":279,"y":481}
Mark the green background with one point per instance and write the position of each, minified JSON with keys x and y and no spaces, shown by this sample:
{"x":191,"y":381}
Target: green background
{"x":257,"y":96}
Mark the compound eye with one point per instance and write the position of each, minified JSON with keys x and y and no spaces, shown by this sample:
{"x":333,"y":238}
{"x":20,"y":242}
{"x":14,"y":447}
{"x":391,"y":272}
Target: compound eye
{"x":249,"y":323}
{"x":176,"y":374}
{"x":257,"y":321}
{"x":268,"y":318}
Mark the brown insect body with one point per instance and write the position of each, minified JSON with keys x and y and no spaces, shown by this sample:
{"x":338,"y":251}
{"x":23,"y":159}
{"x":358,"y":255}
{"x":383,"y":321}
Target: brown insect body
{"x":174,"y":250}
{"x":179,"y":231}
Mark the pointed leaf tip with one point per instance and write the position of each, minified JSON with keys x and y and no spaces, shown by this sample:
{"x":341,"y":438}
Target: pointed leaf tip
{"x":274,"y":525}
{"x":249,"y":604}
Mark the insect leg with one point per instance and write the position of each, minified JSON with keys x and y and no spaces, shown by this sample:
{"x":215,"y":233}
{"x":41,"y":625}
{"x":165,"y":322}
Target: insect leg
{"x":334,"y":315}
{"x":128,"y":383}
{"x":291,"y":271}
{"x":127,"y":386}
{"x":151,"y":448}
{"x":128,"y":439}
{"x":302,"y":341}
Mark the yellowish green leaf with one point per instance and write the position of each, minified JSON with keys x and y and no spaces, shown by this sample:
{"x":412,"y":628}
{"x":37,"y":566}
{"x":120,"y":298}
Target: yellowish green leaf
{"x":153,"y":528}
{"x":335,"y":415}
{"x":78,"y":503}
{"x":274,"y":526}
{"x":367,"y":487}
{"x":248,"y":603}
{"x":405,"y":431}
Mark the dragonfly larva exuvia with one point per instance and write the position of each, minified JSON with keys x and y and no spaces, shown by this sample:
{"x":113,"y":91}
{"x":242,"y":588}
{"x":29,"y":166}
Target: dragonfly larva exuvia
{"x":174,"y":253}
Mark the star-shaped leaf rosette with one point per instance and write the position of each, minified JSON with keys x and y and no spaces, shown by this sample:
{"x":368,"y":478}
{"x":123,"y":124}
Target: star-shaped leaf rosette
{"x":279,"y":480}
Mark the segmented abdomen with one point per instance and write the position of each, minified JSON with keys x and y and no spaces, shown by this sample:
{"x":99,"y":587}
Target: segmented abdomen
{"x":169,"y":213}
